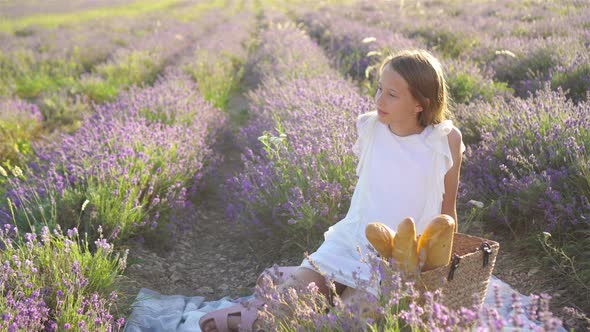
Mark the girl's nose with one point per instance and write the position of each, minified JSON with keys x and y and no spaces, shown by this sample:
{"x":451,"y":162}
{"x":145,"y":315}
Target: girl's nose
{"x":378,"y":95}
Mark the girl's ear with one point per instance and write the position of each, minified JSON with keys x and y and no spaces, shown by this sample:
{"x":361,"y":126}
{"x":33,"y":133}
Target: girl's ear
{"x":419,"y":107}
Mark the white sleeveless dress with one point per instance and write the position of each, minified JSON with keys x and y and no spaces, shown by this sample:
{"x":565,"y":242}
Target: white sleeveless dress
{"x":398,"y":177}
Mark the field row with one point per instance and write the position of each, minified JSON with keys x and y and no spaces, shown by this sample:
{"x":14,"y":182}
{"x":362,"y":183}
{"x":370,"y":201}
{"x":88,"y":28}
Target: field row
{"x":131,"y":169}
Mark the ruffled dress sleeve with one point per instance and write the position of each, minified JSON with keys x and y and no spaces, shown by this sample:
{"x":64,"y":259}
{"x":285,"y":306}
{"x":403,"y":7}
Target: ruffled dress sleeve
{"x":361,"y":122}
{"x":364,"y":125}
{"x":437,"y":140}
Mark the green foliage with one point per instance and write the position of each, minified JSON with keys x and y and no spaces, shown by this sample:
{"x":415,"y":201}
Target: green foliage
{"x":217,"y":75}
{"x":5,"y":169}
{"x":98,"y":89}
{"x":135,"y":68}
{"x":121,"y":204}
{"x":473,"y":124}
{"x":465,"y":88}
{"x":533,"y":66}
{"x":16,"y":134}
{"x":576,"y":81}
{"x":308,"y":227}
{"x":446,"y":42}
{"x":5,"y":72}
{"x":570,"y":257}
{"x":62,"y":112}
{"x":138,"y":68}
{"x":28,"y":77}
{"x":135,"y":8}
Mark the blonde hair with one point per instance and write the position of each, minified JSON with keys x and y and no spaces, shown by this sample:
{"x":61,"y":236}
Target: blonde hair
{"x":426,"y":81}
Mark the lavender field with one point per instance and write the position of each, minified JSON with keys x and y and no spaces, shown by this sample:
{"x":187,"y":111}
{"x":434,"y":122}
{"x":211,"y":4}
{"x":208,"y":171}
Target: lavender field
{"x":133,"y":129}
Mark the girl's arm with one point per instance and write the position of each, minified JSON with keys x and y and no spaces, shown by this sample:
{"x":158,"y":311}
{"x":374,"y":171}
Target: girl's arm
{"x":449,"y":204}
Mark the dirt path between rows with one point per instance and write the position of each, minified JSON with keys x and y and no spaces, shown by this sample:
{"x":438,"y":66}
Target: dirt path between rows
{"x":212,"y":259}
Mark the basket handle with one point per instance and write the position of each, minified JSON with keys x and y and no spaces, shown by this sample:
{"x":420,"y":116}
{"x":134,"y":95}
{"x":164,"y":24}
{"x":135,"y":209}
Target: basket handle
{"x":487,"y":250}
{"x":454,"y":265}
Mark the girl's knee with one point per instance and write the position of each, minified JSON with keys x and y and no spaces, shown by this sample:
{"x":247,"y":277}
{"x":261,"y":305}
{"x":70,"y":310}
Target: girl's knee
{"x":277,"y":279}
{"x":302,"y":277}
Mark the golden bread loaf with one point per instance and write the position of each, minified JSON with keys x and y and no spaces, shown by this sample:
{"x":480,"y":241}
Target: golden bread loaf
{"x":381,"y":237}
{"x":436,"y":242}
{"x":405,"y":247}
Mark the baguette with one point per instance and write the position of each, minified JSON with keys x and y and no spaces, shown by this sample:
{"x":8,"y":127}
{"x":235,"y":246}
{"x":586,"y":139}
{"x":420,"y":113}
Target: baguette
{"x":405,"y":247}
{"x":436,"y":242}
{"x":381,"y":238}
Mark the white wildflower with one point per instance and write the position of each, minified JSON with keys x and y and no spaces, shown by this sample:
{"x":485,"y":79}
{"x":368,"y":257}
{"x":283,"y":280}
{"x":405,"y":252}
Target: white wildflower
{"x":84,"y":204}
{"x":16,"y":171}
{"x":476,"y":203}
{"x":506,"y":52}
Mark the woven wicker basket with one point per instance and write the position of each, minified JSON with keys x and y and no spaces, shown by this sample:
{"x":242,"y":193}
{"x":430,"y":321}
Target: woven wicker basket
{"x":467,"y":275}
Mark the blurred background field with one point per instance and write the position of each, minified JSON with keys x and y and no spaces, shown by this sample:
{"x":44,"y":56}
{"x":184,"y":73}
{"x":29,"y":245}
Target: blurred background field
{"x":123,"y":122}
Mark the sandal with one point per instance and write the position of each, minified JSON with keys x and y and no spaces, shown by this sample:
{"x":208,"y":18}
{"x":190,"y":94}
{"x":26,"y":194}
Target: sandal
{"x":249,"y":310}
{"x":248,"y":313}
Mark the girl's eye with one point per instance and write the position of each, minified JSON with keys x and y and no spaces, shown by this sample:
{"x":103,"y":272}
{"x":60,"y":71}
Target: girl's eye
{"x":392,"y":95}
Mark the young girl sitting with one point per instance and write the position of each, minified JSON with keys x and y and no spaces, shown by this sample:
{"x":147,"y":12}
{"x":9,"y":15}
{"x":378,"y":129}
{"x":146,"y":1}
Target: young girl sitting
{"x":409,"y":163}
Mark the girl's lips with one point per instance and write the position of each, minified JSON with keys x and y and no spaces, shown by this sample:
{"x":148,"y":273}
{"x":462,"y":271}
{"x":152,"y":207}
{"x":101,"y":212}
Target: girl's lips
{"x":381,"y":112}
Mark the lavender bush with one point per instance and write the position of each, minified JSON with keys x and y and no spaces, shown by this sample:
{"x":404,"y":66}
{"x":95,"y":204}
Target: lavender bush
{"x":141,"y":62}
{"x":276,"y":60}
{"x":529,"y":164}
{"x":154,"y":150}
{"x":64,"y":79}
{"x":531,"y":160}
{"x":217,"y":64}
{"x":285,"y":52}
{"x":49,"y":59}
{"x":30,"y":77}
{"x":350,"y":42}
{"x":52,"y":281}
{"x":542,"y":41}
{"x":299,"y":175}
{"x":303,"y":180}
{"x":359,"y":49}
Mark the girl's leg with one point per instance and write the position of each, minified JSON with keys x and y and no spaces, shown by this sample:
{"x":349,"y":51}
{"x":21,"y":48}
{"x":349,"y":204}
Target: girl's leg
{"x":298,"y":280}
{"x":303,"y":277}
{"x":353,"y":296}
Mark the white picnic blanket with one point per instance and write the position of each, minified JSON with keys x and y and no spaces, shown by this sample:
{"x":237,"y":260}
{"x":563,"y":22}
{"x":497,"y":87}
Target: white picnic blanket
{"x":154,"y":312}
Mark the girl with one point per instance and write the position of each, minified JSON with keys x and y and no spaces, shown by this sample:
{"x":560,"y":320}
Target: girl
{"x":409,"y":163}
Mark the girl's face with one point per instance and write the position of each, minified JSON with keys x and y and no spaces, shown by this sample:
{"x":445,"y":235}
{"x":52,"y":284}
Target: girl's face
{"x":395,"y":104}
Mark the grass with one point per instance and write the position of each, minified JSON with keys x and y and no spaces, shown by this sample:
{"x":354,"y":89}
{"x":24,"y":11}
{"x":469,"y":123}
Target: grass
{"x":13,"y":25}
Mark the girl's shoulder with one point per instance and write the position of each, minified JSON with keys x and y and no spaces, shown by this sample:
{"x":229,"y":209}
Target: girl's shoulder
{"x":364,"y":119}
{"x":444,"y":129}
{"x":444,"y":135}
